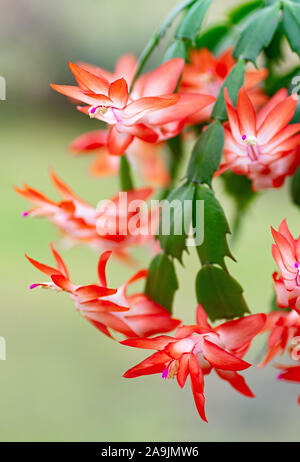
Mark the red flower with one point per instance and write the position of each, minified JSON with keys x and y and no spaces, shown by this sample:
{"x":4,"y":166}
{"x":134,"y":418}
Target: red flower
{"x":147,"y":155}
{"x":152,"y":112}
{"x":206,"y":74}
{"x":290,"y":374}
{"x":106,"y":228}
{"x":286,"y":253}
{"x":262,"y":146}
{"x":196,"y":350}
{"x":131,"y":315}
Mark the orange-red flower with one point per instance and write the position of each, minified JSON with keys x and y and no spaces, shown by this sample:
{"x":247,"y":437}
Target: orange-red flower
{"x":101,"y":228}
{"x":195,"y":350}
{"x":206,"y":74}
{"x":131,"y":315}
{"x":147,"y":156}
{"x":152,"y":112}
{"x":262,"y":146}
{"x":286,"y":253}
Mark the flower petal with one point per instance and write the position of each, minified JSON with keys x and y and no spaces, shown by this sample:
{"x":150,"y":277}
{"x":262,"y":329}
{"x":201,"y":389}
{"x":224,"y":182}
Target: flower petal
{"x":232,"y":118}
{"x":77,"y":94}
{"x":238,"y":333}
{"x":62,"y":282}
{"x":236,"y":381}
{"x":88,"y":80}
{"x":246,"y":114}
{"x":201,"y":317}
{"x":118,"y":142}
{"x":143,"y":132}
{"x":187,"y":105}
{"x":281,"y":137}
{"x":156,"y":343}
{"x":155,"y":364}
{"x":277,"y":119}
{"x":281,"y":95}
{"x":126,"y":67}
{"x":92,"y":292}
{"x":118,"y":93}
{"x":197,"y":384}
{"x":139,"y":108}
{"x":221,"y":359}
{"x":286,"y":250}
{"x":105,"y":164}
{"x":102,"y":266}
{"x":89,"y":141}
{"x":164,"y":79}
{"x":43,"y":268}
{"x":183,"y":370}
{"x":61,"y":266}
{"x":290,"y":373}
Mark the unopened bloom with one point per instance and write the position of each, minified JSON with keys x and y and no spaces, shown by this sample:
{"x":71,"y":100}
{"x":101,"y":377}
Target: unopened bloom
{"x":206,"y":74}
{"x":147,"y":157}
{"x":152,"y":112}
{"x":262,"y":146}
{"x":195,"y":350}
{"x":104,"y":227}
{"x":286,"y":253}
{"x":105,"y":308}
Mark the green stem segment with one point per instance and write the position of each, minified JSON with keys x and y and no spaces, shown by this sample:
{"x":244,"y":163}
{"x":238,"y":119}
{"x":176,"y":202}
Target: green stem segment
{"x":155,"y":39}
{"x":125,"y":173}
{"x":126,"y":181}
{"x":175,"y":159}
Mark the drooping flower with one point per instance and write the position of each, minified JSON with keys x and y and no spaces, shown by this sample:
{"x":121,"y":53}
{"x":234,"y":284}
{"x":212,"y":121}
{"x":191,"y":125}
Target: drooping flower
{"x":262,"y":146}
{"x":286,"y":253}
{"x":109,"y":309}
{"x":152,"y":112}
{"x":195,"y":350}
{"x":104,"y":227}
{"x":290,"y":374}
{"x":147,"y":156}
{"x":206,"y":74}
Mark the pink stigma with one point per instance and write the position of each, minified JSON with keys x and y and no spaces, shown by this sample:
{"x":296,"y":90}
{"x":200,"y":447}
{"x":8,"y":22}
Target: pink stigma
{"x":165,"y":373}
{"x":24,"y":214}
{"x":296,"y":265}
{"x":33,"y":286}
{"x":244,"y":137}
{"x":93,"y":110}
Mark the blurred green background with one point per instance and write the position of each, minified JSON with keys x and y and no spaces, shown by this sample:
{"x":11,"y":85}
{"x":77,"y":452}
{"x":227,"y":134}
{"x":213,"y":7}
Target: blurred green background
{"x":62,"y":380}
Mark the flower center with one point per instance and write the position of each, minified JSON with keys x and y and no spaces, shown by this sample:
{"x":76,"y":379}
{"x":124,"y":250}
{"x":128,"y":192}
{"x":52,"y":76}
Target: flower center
{"x":250,"y":140}
{"x":95,"y":110}
{"x":170,"y":371}
{"x":253,"y":151}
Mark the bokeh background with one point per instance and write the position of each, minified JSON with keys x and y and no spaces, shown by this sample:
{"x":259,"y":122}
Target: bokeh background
{"x":62,"y":380}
